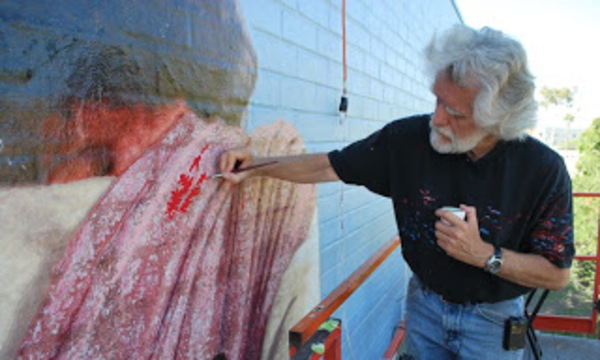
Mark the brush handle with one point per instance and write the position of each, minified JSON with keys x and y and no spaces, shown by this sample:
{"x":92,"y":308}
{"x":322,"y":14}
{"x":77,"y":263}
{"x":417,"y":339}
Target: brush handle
{"x":255,"y":166}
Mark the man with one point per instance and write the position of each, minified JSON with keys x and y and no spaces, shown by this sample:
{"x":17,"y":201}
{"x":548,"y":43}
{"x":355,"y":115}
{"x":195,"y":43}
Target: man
{"x":474,"y":151}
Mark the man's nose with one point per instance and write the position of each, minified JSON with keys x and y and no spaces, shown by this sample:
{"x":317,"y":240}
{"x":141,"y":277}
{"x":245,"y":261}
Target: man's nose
{"x":440,"y":118}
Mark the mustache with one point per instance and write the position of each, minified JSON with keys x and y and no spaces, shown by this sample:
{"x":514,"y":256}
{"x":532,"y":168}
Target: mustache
{"x":442,"y":130}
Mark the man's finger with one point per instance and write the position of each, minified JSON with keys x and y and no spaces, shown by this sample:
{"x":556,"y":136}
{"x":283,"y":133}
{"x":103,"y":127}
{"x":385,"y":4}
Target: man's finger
{"x":230,"y":158}
{"x":223,"y":161}
{"x":444,"y":241}
{"x":449,"y":218}
{"x":232,"y":178}
{"x":470,"y":212}
{"x":447,"y":230}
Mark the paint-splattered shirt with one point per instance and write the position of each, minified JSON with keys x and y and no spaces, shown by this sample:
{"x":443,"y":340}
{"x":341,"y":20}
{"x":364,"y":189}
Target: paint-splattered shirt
{"x":521,"y":190}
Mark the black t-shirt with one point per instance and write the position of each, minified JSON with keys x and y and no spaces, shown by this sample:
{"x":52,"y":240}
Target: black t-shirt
{"x":521,"y":190}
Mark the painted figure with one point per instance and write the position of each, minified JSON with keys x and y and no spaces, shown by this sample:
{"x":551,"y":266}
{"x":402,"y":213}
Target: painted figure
{"x":168,"y":262}
{"x":171,"y":263}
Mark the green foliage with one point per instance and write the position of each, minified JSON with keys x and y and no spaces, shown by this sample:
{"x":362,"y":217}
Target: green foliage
{"x":569,"y":118}
{"x":557,"y":96}
{"x":586,"y":210}
{"x":588,"y":165}
{"x":577,"y":298}
{"x":587,"y":180}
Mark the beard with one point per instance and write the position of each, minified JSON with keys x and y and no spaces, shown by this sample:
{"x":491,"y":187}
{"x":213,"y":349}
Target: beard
{"x":445,"y":142}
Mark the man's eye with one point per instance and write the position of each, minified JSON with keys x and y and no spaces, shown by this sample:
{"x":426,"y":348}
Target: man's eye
{"x":453,"y":113}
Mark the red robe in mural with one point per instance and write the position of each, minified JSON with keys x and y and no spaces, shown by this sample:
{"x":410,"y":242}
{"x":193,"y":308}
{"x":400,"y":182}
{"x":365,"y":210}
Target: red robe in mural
{"x":171,"y":264}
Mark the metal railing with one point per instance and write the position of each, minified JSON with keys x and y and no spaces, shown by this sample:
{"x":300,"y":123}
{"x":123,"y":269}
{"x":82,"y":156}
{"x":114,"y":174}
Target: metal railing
{"x":577,"y":324}
{"x":305,"y":334}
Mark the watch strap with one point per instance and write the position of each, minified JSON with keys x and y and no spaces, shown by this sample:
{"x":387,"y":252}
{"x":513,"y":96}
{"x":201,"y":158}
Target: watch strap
{"x":497,"y":252}
{"x":494,"y":262}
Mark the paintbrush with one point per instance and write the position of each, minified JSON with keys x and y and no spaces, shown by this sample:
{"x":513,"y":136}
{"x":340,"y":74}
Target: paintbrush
{"x":238,"y":170}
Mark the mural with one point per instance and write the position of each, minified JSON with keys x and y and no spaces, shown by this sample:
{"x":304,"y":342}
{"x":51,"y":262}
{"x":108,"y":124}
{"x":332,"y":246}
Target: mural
{"x":73,"y":72}
{"x":112,"y":118}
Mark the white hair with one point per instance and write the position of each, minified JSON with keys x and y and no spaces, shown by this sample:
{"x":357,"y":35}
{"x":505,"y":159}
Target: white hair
{"x":497,"y":65}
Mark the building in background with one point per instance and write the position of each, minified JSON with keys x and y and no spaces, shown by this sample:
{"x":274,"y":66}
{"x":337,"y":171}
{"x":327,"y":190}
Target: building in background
{"x":558,"y":137}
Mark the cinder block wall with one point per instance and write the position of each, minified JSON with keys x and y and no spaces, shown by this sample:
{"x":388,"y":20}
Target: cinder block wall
{"x":299,"y":47}
{"x":123,"y":51}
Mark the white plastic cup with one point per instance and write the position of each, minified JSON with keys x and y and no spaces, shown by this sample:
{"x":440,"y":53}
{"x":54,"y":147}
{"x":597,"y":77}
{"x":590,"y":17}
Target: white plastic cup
{"x":454,"y":210}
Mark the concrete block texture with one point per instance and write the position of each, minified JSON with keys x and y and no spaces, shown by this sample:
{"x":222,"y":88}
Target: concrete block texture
{"x":384,"y":42}
{"x":58,"y":53}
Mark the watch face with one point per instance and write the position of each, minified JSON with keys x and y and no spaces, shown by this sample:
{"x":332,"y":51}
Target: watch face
{"x":494,"y":265}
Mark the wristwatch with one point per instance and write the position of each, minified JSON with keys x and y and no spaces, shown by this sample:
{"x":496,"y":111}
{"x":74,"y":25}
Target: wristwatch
{"x":494,"y":263}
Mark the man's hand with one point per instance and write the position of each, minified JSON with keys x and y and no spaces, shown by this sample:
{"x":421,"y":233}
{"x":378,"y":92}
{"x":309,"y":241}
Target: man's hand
{"x":236,"y":158}
{"x":460,"y":239}
{"x":301,"y":168}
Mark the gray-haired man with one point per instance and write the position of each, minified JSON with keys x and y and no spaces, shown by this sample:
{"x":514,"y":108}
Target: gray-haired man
{"x":473,"y":151}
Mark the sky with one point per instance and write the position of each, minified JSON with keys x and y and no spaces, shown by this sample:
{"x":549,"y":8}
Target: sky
{"x":562,"y":40}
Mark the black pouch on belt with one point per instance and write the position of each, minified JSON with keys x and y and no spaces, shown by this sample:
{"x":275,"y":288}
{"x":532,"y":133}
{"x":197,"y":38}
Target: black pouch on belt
{"x":515,"y":333}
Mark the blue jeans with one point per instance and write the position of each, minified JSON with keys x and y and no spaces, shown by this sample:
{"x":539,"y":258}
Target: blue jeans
{"x":438,"y":330}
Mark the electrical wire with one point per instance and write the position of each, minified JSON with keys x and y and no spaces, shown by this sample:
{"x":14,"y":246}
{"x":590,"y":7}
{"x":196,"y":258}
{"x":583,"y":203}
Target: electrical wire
{"x":344,"y":64}
{"x":343,"y":108}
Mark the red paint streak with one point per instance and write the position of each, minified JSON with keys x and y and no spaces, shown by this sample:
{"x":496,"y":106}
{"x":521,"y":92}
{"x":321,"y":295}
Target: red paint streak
{"x":196,"y":190}
{"x":203,"y":178}
{"x":426,"y":198}
{"x":185,"y":181}
{"x":188,"y":188}
{"x":188,"y":201}
{"x":196,"y":163}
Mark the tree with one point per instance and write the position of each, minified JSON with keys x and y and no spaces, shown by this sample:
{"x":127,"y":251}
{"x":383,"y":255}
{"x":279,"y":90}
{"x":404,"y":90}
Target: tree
{"x":556,"y":96}
{"x":586,"y":209}
{"x":588,"y":165}
{"x":560,"y":98}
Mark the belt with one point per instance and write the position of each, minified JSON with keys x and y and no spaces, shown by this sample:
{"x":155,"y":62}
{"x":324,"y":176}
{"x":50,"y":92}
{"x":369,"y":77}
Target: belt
{"x":444,"y":298}
{"x":450,"y":300}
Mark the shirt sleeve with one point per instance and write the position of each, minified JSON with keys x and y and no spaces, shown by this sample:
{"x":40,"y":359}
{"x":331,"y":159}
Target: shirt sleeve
{"x":552,"y":236}
{"x":365,"y":162}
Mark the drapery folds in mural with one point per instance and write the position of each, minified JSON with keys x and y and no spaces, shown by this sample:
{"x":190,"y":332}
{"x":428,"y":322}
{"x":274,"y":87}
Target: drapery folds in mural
{"x":171,"y":264}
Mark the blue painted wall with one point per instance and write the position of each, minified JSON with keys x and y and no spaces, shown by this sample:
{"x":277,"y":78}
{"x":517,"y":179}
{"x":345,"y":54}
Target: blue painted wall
{"x":299,"y":48}
{"x":121,"y":51}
